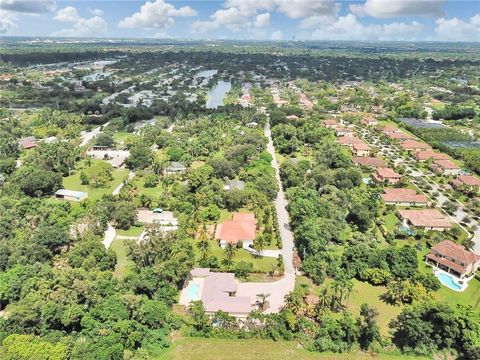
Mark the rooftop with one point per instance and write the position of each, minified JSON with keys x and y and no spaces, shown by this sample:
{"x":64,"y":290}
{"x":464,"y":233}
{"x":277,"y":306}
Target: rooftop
{"x":369,"y":161}
{"x":430,"y":154}
{"x":466,"y":180}
{"x":455,"y":251}
{"x":386,"y":172}
{"x":446,"y":164}
{"x":413,"y":145}
{"x":403,"y":195}
{"x":242,"y":227}
{"x":426,"y":218}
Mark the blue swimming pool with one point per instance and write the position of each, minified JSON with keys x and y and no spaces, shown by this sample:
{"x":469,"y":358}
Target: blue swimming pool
{"x":193,"y":292}
{"x":448,"y":281}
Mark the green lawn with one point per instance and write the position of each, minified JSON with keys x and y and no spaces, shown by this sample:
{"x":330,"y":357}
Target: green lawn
{"x":256,"y":349}
{"x":152,"y":192}
{"x":123,"y":263}
{"x":133,"y":231}
{"x":262,"y":264}
{"x":391,"y":222}
{"x":73,"y":182}
{"x":121,"y":136}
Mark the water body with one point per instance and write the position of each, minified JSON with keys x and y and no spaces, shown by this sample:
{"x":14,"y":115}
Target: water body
{"x":216,"y":95}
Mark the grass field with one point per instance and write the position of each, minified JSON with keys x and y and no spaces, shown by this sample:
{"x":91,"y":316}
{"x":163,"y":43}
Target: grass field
{"x":123,"y":263}
{"x":255,"y":349}
{"x":152,"y":192}
{"x":73,"y":182}
{"x":133,"y":231}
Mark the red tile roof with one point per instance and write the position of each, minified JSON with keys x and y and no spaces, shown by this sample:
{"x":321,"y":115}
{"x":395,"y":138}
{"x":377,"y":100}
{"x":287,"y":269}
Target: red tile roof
{"x":414,"y":145}
{"x":426,"y":218}
{"x":399,"y":135}
{"x":403,"y":195}
{"x":350,"y":140}
{"x":467,"y":180}
{"x":361,"y":146}
{"x":430,"y":154}
{"x":455,"y":251}
{"x":446,"y":164}
{"x":369,"y":161}
{"x":390,"y":128}
{"x":387,"y":173}
{"x":241,"y":228}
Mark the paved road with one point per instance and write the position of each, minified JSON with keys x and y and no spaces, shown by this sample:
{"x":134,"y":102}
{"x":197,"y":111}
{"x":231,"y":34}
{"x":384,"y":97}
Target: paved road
{"x":281,"y":208}
{"x":89,"y":135}
{"x":131,"y":175}
{"x":436,"y":193}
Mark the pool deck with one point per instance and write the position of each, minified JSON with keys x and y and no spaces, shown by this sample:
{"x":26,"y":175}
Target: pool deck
{"x":463,"y":286}
{"x":184,"y":296}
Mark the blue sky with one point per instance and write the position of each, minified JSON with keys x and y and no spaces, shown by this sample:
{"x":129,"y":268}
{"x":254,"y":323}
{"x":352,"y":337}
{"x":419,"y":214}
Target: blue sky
{"x":371,"y":20}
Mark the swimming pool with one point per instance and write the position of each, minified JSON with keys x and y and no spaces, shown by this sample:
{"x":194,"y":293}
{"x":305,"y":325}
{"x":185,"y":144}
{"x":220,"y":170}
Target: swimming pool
{"x":193,"y":292}
{"x":449,"y":282}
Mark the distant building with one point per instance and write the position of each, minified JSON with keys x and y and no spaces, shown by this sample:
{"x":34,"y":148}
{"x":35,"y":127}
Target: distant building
{"x":361,"y":150}
{"x":343,"y":131}
{"x":175,"y":167}
{"x":330,"y":123}
{"x":426,"y":219}
{"x":241,"y":229}
{"x":414,"y":146}
{"x":28,"y":142}
{"x":372,"y":162}
{"x":234,"y":184}
{"x":403,"y":197}
{"x":399,"y":136}
{"x":467,"y":183}
{"x":386,"y":175}
{"x":426,"y":155}
{"x":369,"y":121}
{"x":453,"y":259}
{"x":350,"y":141}
{"x":445,"y":167}
{"x":390,"y":129}
{"x":71,"y":195}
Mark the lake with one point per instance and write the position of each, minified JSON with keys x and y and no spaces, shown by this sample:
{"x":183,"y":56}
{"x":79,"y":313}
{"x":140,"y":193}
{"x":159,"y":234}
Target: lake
{"x":216,"y":94}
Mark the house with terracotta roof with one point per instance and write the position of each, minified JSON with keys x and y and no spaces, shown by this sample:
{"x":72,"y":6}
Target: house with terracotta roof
{"x":445,"y":167}
{"x":240,"y":230}
{"x":390,"y":129}
{"x":400,"y":135}
{"x":426,"y":219}
{"x":350,"y":141}
{"x":453,"y":259}
{"x":386,"y":175}
{"x":330,"y":123}
{"x":426,"y":155}
{"x":414,"y":146}
{"x":369,"y":121}
{"x":371,"y":162}
{"x":343,"y":131}
{"x":28,"y":142}
{"x":361,"y":150}
{"x":403,"y":197}
{"x":466,"y":183}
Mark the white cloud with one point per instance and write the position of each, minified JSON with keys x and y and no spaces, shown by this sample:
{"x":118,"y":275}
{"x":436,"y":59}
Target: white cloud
{"x":396,"y":8}
{"x":81,"y":27}
{"x":317,"y":21}
{"x":458,"y":30}
{"x":156,"y":15}
{"x":8,"y":21}
{"x":262,"y":20}
{"x":276,"y":35}
{"x":350,"y":28}
{"x":28,"y":6}
{"x":243,"y":14}
{"x":68,"y":14}
{"x":97,"y":12}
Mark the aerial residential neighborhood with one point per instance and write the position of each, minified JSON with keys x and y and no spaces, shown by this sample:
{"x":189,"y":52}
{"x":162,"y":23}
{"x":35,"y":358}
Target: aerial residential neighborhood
{"x":239,"y":180}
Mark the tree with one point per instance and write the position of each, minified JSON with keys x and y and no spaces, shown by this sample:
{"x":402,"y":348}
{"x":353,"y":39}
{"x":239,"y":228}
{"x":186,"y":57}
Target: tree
{"x":104,"y":139}
{"x":36,"y":181}
{"x":262,"y":302}
{"x":367,"y":323}
{"x":151,"y":180}
{"x":242,"y":269}
{"x":204,"y":242}
{"x":141,"y":157}
{"x":229,"y":252}
{"x":201,"y":321}
{"x":124,"y":215}
{"x":100,"y":173}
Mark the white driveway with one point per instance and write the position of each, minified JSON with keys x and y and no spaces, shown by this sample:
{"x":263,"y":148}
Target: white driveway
{"x":281,"y":208}
{"x":109,"y":236}
{"x":277,"y":290}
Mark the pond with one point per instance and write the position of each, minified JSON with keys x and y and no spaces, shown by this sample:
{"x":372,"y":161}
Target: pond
{"x":216,"y":94}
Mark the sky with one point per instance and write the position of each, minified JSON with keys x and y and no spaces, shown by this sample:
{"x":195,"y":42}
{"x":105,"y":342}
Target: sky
{"x":366,"y":20}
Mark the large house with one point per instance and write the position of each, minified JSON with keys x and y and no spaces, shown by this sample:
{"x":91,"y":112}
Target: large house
{"x":426,"y":219}
{"x":399,"y":136}
{"x":350,"y":140}
{"x":445,"y":167}
{"x":454,"y":259}
{"x":467,"y":183}
{"x":371,"y":162}
{"x":217,"y":291}
{"x":369,"y":121}
{"x":403,"y":197}
{"x":386,"y":175}
{"x":361,"y":150}
{"x":390,"y":129}
{"x":414,"y":146}
{"x":241,"y":229}
{"x":426,"y":155}
{"x":343,"y":131}
{"x":330,"y":123}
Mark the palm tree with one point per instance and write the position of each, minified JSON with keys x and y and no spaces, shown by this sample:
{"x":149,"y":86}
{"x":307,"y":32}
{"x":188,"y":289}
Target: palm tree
{"x":229,"y":253}
{"x":324,"y":300}
{"x":337,"y":287}
{"x":262,"y":301}
{"x":204,"y":243}
{"x":260,"y":243}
